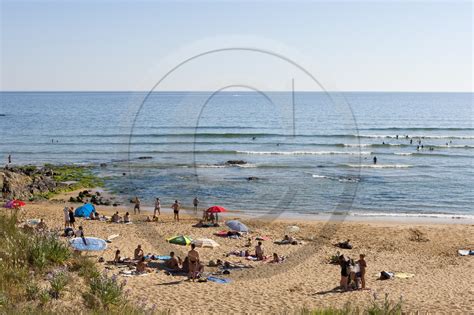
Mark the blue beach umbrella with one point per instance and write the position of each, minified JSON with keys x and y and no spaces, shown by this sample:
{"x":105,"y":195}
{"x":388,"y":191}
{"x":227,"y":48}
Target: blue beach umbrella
{"x":238,"y":226}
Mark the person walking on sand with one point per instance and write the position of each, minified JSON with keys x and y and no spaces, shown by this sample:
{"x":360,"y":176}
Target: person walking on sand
{"x":195,"y":204}
{"x":137,"y":205}
{"x":363,"y":266}
{"x":193,"y":261}
{"x":176,"y":206}
{"x":157,"y":207}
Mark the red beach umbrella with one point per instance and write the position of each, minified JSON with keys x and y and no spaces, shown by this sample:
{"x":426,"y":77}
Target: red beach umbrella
{"x":216,"y":210}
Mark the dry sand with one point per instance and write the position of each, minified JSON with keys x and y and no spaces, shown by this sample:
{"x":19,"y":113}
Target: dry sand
{"x":442,"y":282}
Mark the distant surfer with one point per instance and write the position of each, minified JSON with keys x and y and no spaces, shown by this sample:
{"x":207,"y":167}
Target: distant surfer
{"x":253,"y":138}
{"x":9,"y":159}
{"x":375,"y":160}
{"x":411,"y":141}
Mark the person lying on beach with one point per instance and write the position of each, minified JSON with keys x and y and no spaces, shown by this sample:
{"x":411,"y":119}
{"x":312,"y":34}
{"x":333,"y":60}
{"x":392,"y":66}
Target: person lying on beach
{"x":116,"y":218}
{"x":126,"y":218}
{"x":231,"y":265}
{"x":344,"y":245}
{"x":239,"y":253}
{"x":259,"y":251}
{"x":173,"y":263}
{"x":138,"y":255}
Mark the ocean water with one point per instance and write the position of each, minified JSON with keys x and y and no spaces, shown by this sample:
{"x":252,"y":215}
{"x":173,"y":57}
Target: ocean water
{"x":307,"y":152}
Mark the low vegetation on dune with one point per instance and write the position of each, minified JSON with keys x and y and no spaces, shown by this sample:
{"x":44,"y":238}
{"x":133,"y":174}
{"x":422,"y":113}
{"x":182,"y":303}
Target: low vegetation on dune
{"x":40,"y":274}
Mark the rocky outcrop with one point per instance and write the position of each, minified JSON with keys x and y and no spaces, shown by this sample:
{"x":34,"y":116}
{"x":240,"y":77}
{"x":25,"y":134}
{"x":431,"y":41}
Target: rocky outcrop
{"x":235,"y":162}
{"x":27,"y":182}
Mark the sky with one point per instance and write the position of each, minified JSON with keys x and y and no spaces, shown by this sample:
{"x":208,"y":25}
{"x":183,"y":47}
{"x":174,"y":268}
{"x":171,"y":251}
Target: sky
{"x":131,"y":45}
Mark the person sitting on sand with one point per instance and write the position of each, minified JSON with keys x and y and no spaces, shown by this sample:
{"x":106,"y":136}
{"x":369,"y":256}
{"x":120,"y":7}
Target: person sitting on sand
{"x":117,"y":258}
{"x":126,"y":218}
{"x":277,"y":259}
{"x":259,"y":251}
{"x":155,"y":218}
{"x":80,"y":233}
{"x":344,"y":272}
{"x":249,"y":242}
{"x":193,"y":256}
{"x":141,"y":266}
{"x":362,"y":267}
{"x":116,"y":218}
{"x":138,"y":253}
{"x":173,"y":263}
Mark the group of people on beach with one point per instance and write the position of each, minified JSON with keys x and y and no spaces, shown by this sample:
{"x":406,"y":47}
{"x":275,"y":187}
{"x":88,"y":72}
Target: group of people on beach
{"x":176,"y":207}
{"x":352,"y":273}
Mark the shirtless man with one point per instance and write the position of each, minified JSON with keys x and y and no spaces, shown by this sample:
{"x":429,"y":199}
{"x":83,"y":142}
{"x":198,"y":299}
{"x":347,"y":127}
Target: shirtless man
{"x":138,"y":253}
{"x":137,"y":206}
{"x":193,"y":257}
{"x":259,"y":251}
{"x":176,"y":206}
{"x":173,"y":263}
{"x":141,"y":266}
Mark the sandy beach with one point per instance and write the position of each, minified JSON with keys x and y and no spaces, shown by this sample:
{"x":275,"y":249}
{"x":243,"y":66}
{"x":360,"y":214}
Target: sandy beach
{"x":441,"y":281}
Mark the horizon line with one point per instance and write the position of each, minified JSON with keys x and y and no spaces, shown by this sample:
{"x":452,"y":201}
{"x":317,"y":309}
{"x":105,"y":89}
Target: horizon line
{"x":227,"y":91}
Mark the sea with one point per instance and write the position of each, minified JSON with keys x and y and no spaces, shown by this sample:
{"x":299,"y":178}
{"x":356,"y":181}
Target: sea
{"x":301,"y":153}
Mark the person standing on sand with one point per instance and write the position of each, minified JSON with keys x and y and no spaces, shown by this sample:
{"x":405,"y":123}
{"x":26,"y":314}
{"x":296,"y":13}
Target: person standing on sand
{"x":193,"y":261}
{"x":66,"y":217}
{"x":363,"y":266}
{"x":176,"y":206}
{"x":72,"y":220}
{"x":157,"y":207}
{"x":344,"y":272}
{"x":137,"y":206}
{"x":195,"y":204}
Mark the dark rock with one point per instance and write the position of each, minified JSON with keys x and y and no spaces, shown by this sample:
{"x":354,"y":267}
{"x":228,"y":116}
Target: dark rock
{"x":236,"y":162}
{"x":145,"y":157}
{"x":252,"y":178}
{"x":103,"y":164}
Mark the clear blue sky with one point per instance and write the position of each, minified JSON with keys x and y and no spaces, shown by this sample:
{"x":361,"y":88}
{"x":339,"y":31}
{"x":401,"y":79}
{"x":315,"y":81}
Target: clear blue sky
{"x":109,"y":45}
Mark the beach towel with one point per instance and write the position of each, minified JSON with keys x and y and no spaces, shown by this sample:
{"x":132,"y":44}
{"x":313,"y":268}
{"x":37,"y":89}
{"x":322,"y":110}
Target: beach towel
{"x":403,"y":275}
{"x":33,"y":221}
{"x":218,"y":280}
{"x":92,"y":244}
{"x":158,"y":257}
{"x":262,"y":238}
{"x":465,"y":252}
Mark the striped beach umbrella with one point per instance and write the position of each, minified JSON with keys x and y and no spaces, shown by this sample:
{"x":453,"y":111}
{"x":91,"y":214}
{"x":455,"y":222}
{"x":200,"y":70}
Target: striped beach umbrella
{"x":180,"y":240}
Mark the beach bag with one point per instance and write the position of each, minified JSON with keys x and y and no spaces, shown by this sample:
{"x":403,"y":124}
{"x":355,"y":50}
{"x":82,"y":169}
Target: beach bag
{"x":385,"y":275}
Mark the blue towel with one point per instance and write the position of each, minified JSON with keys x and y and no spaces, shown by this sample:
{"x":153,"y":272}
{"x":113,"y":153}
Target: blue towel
{"x":218,"y":280}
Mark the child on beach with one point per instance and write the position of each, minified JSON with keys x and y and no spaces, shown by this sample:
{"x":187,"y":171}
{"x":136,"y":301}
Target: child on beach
{"x":362,"y":266}
{"x":126,"y":218}
{"x":138,"y":254}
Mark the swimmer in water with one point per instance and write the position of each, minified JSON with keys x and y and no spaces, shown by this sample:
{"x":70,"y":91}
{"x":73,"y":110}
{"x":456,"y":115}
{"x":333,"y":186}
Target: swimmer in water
{"x":375,"y":160}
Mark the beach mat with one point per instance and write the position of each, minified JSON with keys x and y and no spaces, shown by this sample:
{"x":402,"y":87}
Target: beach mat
{"x":33,"y":221}
{"x":218,"y":280}
{"x":403,"y":275}
{"x":92,"y":244}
